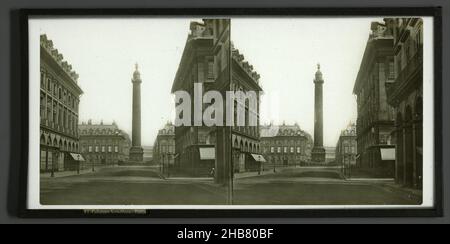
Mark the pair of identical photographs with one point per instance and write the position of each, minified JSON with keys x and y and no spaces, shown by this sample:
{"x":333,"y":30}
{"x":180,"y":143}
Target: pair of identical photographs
{"x":228,"y":113}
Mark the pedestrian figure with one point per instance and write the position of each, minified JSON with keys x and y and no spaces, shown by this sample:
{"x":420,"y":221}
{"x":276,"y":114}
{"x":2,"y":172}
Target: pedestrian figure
{"x":212,"y":172}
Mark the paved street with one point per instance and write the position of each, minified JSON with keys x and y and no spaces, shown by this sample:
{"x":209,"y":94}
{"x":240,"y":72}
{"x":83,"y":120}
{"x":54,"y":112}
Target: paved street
{"x":293,"y":186}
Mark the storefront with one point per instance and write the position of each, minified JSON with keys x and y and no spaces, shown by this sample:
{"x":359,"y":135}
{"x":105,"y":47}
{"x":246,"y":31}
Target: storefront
{"x":51,"y":159}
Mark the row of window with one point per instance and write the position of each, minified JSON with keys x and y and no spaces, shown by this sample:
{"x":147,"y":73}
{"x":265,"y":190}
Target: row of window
{"x":58,"y":117}
{"x":290,"y":142}
{"x":54,"y":88}
{"x":102,"y":149}
{"x":349,"y":149}
{"x":166,"y":148}
{"x":289,"y":160}
{"x":99,"y":132}
{"x":286,"y":150}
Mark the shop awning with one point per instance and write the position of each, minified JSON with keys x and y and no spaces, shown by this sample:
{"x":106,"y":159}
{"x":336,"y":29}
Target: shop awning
{"x":77,"y":156}
{"x":258,"y":158}
{"x":207,"y":153}
{"x":387,"y":153}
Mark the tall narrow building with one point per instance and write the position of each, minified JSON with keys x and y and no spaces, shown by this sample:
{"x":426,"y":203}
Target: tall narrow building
{"x":136,"y":151}
{"x":318,"y":152}
{"x":59,"y":99}
{"x":209,"y":58}
{"x":375,"y":116}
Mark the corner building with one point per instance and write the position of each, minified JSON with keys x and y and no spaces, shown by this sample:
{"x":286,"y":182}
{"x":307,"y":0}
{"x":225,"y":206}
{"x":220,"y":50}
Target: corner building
{"x":59,"y":100}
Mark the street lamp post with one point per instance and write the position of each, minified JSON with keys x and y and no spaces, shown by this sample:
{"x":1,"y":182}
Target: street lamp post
{"x":78,"y":167}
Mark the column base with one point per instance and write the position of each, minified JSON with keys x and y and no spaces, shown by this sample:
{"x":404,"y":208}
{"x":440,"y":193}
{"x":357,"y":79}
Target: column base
{"x":318,"y":154}
{"x":136,"y":154}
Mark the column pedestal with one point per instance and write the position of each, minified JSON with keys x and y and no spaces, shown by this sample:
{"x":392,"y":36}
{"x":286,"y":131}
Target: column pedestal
{"x":318,"y":154}
{"x":136,"y":154}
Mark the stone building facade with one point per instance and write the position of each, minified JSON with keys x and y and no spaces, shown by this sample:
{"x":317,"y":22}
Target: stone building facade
{"x":164,"y":147}
{"x":405,"y":94}
{"x":59,"y":100}
{"x":209,"y":58}
{"x":103,"y":144}
{"x":286,"y":145}
{"x":375,"y":116}
{"x":346,"y":149}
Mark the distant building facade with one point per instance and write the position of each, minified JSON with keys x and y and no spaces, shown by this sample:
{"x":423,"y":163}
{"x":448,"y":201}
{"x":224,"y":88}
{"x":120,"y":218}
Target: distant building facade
{"x":59,"y":100}
{"x":164,"y":147}
{"x":330,"y":155}
{"x":285,"y":144}
{"x":197,"y":151}
{"x":103,"y":144}
{"x":375,"y":116}
{"x":148,"y":154}
{"x":346,"y":149}
{"x":405,"y":94}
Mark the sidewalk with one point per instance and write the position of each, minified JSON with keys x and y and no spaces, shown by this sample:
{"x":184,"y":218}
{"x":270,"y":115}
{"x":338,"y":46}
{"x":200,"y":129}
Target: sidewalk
{"x":252,"y":174}
{"x":390,"y":185}
{"x":378,"y":180}
{"x":87,"y":170}
{"x":414,"y":194}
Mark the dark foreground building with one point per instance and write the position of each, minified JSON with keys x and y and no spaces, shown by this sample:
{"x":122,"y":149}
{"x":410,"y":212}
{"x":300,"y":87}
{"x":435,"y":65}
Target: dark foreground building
{"x":375,"y":116}
{"x":103,"y":144}
{"x":405,"y":93}
{"x":59,"y":100}
{"x":285,"y":145}
{"x":208,"y":58}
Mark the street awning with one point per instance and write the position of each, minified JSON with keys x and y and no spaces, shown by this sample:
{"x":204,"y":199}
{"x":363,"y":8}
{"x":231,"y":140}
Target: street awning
{"x":258,"y":158}
{"x":207,"y":153}
{"x":387,"y":153}
{"x":77,"y":156}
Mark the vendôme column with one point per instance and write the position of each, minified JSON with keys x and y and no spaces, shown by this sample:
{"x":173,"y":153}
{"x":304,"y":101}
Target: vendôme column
{"x":318,"y":152}
{"x":136,"y":151}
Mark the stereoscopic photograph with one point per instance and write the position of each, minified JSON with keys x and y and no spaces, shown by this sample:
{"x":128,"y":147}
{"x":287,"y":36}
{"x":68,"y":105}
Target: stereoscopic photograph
{"x":240,"y":113}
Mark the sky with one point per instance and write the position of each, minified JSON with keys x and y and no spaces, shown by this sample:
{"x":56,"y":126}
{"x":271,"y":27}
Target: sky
{"x":284,"y":51}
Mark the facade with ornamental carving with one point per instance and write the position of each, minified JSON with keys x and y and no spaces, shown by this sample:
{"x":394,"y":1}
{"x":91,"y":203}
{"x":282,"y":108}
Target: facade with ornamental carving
{"x":286,"y":145}
{"x":346,"y":149}
{"x":164,"y":147}
{"x":405,"y":94}
{"x":103,"y":144}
